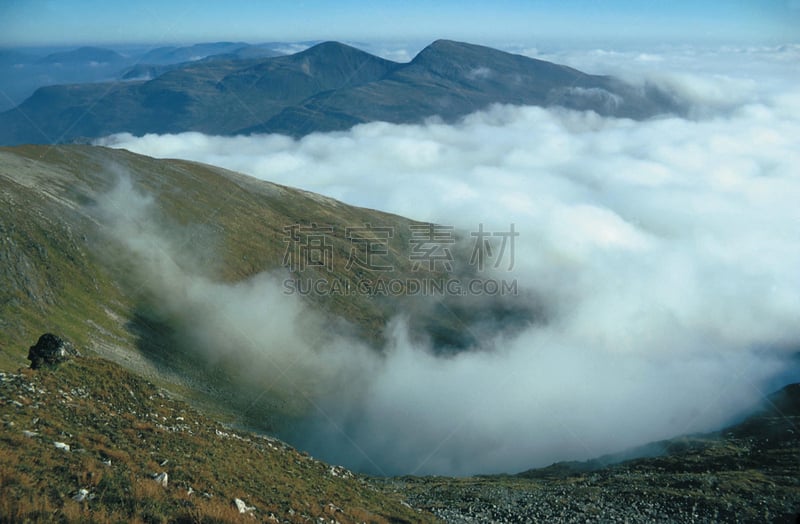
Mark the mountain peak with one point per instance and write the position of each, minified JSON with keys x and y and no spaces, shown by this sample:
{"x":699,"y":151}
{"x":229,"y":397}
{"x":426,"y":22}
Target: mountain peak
{"x":444,"y":55}
{"x":339,"y":64}
{"x":456,"y":48}
{"x":331,"y":47}
{"x":444,"y":42}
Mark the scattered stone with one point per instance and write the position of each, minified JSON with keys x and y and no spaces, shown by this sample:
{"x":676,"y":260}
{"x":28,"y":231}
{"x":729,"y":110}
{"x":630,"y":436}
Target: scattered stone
{"x":61,"y":445}
{"x":162,"y":478}
{"x":339,"y":471}
{"x":30,"y":434}
{"x":243,"y":507}
{"x":81,"y":495}
{"x":50,"y":351}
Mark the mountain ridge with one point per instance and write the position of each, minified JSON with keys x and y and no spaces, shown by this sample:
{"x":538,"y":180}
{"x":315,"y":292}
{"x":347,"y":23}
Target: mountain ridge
{"x":329,"y":86}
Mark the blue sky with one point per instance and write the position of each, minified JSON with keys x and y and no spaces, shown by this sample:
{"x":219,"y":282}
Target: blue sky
{"x":41,"y":22}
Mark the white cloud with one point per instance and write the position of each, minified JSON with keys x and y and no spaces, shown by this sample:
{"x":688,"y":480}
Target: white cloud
{"x":291,"y":48}
{"x":666,"y":251}
{"x":481,"y":72}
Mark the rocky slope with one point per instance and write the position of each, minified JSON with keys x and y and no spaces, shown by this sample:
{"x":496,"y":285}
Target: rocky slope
{"x":88,"y":441}
{"x":91,"y":442}
{"x":749,"y":472}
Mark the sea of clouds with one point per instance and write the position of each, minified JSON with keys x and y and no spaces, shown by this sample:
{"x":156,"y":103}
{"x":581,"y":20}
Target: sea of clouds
{"x":667,"y":253}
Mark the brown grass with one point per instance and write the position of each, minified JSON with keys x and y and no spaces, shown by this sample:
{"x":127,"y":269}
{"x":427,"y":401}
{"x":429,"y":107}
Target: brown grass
{"x":38,"y":481}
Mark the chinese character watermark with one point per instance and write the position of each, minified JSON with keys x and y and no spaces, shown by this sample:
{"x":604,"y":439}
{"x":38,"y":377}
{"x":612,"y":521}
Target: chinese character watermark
{"x":307,"y":246}
{"x":429,"y":248}
{"x":428,"y":245}
{"x":368,"y":245}
{"x":482,"y":247}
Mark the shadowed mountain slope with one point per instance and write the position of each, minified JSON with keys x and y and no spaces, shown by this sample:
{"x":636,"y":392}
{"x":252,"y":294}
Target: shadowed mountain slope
{"x":329,"y":86}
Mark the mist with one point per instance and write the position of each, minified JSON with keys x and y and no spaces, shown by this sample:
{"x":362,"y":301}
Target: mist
{"x":666,"y":252}
{"x":226,"y":325}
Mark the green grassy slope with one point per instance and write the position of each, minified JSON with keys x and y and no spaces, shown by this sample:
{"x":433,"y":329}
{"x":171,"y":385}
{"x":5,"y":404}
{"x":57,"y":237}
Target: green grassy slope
{"x":62,"y":273}
{"x":55,"y":266}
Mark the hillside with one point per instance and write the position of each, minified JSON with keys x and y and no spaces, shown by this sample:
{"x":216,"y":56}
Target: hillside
{"x":53,"y":256}
{"x":90,"y":425}
{"x":86,"y":442}
{"x":329,"y":86}
{"x":68,"y":271}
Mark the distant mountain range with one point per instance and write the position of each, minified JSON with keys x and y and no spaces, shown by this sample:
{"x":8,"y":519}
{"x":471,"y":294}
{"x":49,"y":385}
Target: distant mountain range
{"x":330,"y":86}
{"x":24,"y":70}
{"x":84,"y":55}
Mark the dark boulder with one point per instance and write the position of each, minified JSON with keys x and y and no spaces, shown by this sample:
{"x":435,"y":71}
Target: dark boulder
{"x":50,"y":351}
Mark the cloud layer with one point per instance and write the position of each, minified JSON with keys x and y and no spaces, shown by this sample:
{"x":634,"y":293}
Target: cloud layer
{"x":667,"y":252}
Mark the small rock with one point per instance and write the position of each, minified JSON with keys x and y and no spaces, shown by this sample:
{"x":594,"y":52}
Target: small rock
{"x":162,"y":478}
{"x":339,"y":471}
{"x":50,"y":350}
{"x":243,"y":507}
{"x":61,"y":445}
{"x":30,"y":434}
{"x":81,"y":495}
